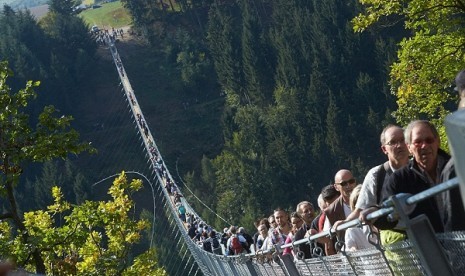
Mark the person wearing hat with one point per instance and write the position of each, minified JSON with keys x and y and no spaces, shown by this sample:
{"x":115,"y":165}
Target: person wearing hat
{"x":248,"y":238}
{"x":225,"y":237}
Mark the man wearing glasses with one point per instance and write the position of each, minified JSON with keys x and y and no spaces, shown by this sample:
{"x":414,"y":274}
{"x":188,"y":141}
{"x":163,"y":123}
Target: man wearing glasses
{"x":394,"y":147}
{"x":421,"y":173}
{"x":344,"y":182}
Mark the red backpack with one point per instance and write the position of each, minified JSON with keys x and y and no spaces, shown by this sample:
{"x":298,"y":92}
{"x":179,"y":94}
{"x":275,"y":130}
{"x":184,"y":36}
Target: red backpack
{"x":236,"y":245}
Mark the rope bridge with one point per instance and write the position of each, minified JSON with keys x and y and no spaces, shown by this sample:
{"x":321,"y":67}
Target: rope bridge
{"x":182,"y":256}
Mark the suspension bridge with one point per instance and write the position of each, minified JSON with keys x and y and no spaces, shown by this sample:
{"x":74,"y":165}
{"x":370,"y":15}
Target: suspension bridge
{"x":182,"y":256}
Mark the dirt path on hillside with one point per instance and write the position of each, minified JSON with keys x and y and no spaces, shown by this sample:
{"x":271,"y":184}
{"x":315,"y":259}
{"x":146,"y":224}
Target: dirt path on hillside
{"x":126,"y":44}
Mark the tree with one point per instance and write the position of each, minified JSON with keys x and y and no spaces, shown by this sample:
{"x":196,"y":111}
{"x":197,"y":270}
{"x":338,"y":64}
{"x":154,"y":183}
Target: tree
{"x":428,"y":59}
{"x":254,"y":60}
{"x":24,"y":44}
{"x":20,"y":143}
{"x":64,"y":7}
{"x":54,"y":173}
{"x":73,"y":48}
{"x":94,"y":238}
{"x":225,"y":48}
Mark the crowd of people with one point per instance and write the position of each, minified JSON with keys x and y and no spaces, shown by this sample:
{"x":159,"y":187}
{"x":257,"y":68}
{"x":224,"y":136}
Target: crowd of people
{"x":103,"y":36}
{"x":157,"y":162}
{"x":414,"y":164}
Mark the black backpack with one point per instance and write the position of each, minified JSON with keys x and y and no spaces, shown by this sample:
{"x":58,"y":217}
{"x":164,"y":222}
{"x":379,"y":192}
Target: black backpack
{"x":215,"y":243}
{"x":381,"y":178}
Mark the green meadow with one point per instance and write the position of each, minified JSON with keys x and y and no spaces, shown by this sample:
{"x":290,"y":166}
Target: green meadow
{"x":109,"y":15}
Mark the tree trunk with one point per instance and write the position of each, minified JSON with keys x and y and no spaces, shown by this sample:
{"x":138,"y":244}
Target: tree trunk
{"x":171,"y":5}
{"x":39,"y":262}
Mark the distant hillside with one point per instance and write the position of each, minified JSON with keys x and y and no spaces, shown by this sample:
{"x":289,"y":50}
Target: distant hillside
{"x":39,"y":11}
{"x":21,"y":4}
{"x":2,"y":2}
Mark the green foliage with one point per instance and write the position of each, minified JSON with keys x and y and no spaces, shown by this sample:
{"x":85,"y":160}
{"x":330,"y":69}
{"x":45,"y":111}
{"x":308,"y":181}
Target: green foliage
{"x":224,"y":45}
{"x":109,"y":15}
{"x":72,"y":47}
{"x":51,"y":138}
{"x":19,"y":37}
{"x":58,"y":51}
{"x":428,"y":59}
{"x":93,"y":238}
{"x":257,"y":85}
{"x":144,"y":264}
{"x":64,"y":7}
{"x":192,"y":61}
{"x":54,"y":173}
{"x":143,"y":12}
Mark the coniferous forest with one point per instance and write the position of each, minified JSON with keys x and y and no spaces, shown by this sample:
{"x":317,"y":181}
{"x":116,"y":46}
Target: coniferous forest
{"x":304,"y":96}
{"x":296,"y":93}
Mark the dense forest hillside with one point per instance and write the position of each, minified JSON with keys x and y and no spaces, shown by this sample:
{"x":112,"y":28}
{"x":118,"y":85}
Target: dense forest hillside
{"x":269,"y":98}
{"x":304,"y":96}
{"x":21,"y":4}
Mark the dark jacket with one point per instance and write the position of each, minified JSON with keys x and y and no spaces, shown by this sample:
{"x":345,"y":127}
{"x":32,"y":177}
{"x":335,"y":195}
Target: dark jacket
{"x":335,"y":212}
{"x":412,"y":180}
{"x":305,"y":247}
{"x":453,"y":208}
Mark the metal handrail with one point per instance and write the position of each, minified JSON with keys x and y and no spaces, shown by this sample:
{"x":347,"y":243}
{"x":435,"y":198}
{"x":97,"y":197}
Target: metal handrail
{"x":386,"y":210}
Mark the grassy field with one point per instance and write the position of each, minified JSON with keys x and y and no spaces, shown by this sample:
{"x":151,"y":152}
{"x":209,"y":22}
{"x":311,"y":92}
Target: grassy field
{"x":109,"y":15}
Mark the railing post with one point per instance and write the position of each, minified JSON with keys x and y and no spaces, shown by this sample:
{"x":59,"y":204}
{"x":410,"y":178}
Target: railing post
{"x":233,"y":267}
{"x":221,"y":264}
{"x":423,"y":238}
{"x":251,"y":268}
{"x":455,"y":129}
{"x":289,"y":265}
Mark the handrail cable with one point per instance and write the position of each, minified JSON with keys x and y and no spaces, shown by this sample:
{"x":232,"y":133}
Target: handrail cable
{"x":153,"y":196}
{"x":198,"y":199}
{"x":387,"y":209}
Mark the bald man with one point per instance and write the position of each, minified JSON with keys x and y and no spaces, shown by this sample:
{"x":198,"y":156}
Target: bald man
{"x":344,"y":182}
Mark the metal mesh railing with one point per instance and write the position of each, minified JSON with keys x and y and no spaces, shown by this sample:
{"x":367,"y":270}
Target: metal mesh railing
{"x":396,"y":259}
{"x":400,"y":257}
{"x":403,"y":259}
{"x":369,"y":261}
{"x":330,"y":265}
{"x":454,"y":245}
{"x":269,"y":268}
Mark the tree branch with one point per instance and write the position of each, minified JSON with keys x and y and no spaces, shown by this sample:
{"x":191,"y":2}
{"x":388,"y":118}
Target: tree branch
{"x":6,"y":215}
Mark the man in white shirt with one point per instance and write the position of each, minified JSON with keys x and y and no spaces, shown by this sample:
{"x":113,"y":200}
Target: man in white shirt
{"x":394,"y":147}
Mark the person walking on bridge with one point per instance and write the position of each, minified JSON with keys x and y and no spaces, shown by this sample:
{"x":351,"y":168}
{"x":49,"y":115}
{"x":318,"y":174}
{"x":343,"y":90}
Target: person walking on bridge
{"x":307,"y":213}
{"x":420,"y":174}
{"x":344,"y":182}
{"x":453,"y":211}
{"x":279,"y":233}
{"x":394,"y":147}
